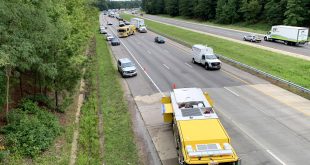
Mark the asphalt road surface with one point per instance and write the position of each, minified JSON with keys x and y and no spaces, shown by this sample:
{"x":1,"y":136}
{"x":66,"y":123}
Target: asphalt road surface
{"x":238,"y":35}
{"x":263,"y":129}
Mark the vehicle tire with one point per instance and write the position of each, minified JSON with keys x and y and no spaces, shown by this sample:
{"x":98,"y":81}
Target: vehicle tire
{"x":265,"y":38}
{"x":252,"y":40}
{"x":193,"y":61}
{"x":243,"y":39}
{"x":285,"y":43}
{"x":206,"y":66}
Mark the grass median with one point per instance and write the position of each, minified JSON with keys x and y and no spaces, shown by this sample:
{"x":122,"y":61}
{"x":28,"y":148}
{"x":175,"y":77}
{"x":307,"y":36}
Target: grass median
{"x":260,"y":28}
{"x":289,"y":68}
{"x":119,"y":145}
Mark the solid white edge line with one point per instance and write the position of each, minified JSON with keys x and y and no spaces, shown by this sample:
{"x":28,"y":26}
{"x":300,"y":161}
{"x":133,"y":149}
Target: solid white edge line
{"x":251,"y":137}
{"x":231,"y":91}
{"x":273,"y":155}
{"x":140,"y":65}
{"x":188,"y":65}
{"x":166,"y":66}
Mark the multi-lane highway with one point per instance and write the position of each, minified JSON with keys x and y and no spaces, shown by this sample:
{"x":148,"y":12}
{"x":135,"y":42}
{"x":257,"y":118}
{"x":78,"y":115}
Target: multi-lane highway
{"x":233,"y":34}
{"x":267,"y":124}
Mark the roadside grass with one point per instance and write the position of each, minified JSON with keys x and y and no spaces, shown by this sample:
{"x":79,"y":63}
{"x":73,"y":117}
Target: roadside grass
{"x":119,"y":146}
{"x":88,"y":142}
{"x":88,"y":147}
{"x":260,"y":27}
{"x":289,"y":68}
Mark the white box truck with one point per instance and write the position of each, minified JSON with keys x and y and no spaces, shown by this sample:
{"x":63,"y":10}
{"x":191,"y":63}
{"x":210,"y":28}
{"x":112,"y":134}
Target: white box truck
{"x":290,"y":35}
{"x":205,"y":56}
{"x":139,"y":23}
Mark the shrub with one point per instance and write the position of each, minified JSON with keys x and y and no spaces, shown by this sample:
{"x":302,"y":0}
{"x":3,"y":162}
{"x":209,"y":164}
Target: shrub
{"x":30,"y":129}
{"x":2,"y":88}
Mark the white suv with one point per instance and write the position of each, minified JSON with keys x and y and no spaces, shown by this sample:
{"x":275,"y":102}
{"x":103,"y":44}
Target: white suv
{"x":126,"y":67}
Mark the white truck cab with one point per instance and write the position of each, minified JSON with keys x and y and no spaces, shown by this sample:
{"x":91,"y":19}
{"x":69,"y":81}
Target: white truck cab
{"x":205,"y":56}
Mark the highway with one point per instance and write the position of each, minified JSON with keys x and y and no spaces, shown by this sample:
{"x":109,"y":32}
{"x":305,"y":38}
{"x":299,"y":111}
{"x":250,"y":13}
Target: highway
{"x":264,"y":129}
{"x":233,"y":34}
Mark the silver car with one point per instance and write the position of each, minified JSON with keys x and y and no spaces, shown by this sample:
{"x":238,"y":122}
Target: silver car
{"x":252,"y":38}
{"x":126,"y":67}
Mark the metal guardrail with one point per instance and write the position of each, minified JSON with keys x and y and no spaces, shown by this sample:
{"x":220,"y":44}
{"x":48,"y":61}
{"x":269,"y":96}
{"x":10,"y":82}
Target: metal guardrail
{"x":289,"y":83}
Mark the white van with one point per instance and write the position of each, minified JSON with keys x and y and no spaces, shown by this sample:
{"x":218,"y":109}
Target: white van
{"x":204,"y":55}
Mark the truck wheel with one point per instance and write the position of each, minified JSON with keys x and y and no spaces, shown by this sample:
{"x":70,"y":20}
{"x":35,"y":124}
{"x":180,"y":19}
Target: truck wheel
{"x":193,"y":61}
{"x":285,"y":43}
{"x":265,"y":38}
{"x":181,"y":160}
{"x":206,"y":66}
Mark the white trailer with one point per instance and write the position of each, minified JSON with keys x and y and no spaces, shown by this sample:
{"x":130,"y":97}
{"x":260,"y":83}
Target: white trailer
{"x":290,"y":35}
{"x":139,"y":23}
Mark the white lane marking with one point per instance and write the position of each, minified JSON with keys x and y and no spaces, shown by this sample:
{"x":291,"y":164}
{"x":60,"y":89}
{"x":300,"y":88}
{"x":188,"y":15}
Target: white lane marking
{"x":188,"y":65}
{"x":231,"y":91}
{"x":166,"y":66}
{"x":273,"y":155}
{"x":141,"y":66}
{"x":250,"y":136}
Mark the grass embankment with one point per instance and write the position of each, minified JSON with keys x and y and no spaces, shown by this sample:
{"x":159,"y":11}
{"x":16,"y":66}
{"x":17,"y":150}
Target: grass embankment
{"x":292,"y":69}
{"x":88,"y":147}
{"x":119,"y":146}
{"x":260,"y":28}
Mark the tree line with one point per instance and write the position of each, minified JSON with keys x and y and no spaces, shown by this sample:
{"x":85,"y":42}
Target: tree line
{"x":289,"y":12}
{"x":106,"y":4}
{"x":42,"y":45}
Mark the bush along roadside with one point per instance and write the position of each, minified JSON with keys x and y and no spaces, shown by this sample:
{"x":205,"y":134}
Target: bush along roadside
{"x":30,"y":129}
{"x":289,"y":68}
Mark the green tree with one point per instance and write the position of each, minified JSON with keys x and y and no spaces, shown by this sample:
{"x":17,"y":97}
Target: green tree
{"x":101,"y":4}
{"x":251,"y":10}
{"x":294,"y":14}
{"x":159,"y":6}
{"x":172,"y":7}
{"x":306,"y":13}
{"x":205,"y":9}
{"x":186,"y":8}
{"x":274,"y":11}
{"x":220,"y":11}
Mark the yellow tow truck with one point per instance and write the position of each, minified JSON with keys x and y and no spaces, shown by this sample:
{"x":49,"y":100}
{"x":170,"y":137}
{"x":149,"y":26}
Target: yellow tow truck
{"x":199,"y":135}
{"x":126,"y":31}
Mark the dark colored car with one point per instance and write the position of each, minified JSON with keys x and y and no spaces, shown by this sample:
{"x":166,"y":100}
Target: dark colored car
{"x":127,"y":23}
{"x":160,"y":39}
{"x":115,"y":41}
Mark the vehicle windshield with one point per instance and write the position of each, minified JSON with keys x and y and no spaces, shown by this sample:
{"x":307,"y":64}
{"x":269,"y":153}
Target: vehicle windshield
{"x":128,"y":64}
{"x":160,"y":38}
{"x":121,"y":30}
{"x":211,"y":57}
